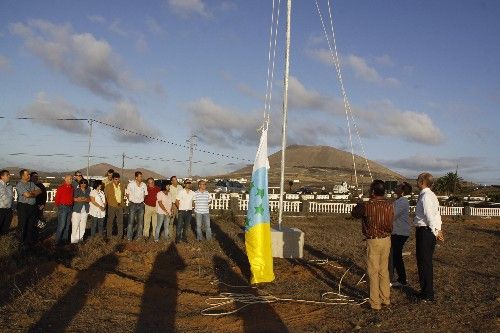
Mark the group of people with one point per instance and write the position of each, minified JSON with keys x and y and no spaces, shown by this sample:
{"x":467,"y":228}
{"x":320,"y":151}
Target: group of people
{"x":386,"y":226}
{"x":151,"y":209}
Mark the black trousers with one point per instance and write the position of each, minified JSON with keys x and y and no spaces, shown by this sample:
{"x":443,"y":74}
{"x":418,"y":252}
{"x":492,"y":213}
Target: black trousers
{"x":5,"y":220}
{"x":426,"y":242}
{"x":396,"y":258}
{"x":26,"y":216}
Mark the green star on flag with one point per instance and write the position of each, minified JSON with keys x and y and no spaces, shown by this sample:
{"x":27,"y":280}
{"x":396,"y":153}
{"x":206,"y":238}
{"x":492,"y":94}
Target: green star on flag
{"x":259,"y":210}
{"x":260,"y":193}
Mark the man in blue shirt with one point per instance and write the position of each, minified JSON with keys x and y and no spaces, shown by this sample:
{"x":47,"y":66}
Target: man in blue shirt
{"x":6,"y":198}
{"x":27,"y":192}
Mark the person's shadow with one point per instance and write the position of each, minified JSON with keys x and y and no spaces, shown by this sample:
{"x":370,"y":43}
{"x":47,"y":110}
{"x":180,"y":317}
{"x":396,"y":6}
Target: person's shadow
{"x":232,"y":250}
{"x":159,"y":300}
{"x":58,"y":318}
{"x":254,"y":317}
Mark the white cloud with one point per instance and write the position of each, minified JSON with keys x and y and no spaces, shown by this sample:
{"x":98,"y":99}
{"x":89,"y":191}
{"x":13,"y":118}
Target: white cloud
{"x":227,"y":127}
{"x":384,"y":118}
{"x":302,"y":98}
{"x":369,"y":74}
{"x":362,"y":70}
{"x":47,"y":111}
{"x":384,"y":60}
{"x":187,"y":8}
{"x":96,"y":19}
{"x":155,"y":27}
{"x":4,"y":63}
{"x":85,"y":60}
{"x":126,"y":115}
{"x":380,"y":118}
{"x":221,"y":126}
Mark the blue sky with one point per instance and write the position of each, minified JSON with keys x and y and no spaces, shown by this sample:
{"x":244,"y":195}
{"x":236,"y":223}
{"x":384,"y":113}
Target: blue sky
{"x":423,"y":79}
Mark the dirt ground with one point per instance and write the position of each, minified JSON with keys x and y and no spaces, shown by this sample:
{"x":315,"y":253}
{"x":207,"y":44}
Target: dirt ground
{"x":163,"y":287}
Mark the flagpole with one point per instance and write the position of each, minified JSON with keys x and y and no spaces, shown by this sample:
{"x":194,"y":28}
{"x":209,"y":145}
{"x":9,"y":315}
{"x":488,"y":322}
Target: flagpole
{"x":285,"y":110}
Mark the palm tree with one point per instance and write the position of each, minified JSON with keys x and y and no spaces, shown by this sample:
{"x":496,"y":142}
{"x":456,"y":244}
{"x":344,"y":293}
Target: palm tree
{"x":448,"y":184}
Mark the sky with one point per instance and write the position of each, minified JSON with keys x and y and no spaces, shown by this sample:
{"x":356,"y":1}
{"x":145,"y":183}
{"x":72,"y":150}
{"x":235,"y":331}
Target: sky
{"x":422,"y":79}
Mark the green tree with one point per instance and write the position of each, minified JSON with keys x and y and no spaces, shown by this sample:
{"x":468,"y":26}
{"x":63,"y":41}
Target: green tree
{"x":448,"y":184}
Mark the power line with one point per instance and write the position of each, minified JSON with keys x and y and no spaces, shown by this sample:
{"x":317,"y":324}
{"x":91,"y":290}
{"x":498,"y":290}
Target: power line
{"x":150,"y":137}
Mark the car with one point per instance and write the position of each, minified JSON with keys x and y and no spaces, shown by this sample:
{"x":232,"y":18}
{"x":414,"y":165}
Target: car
{"x":229,"y":186}
{"x":304,"y":190}
{"x":161,"y":182}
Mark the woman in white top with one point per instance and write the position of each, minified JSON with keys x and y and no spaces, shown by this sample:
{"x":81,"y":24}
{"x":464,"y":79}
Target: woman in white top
{"x":97,"y":208}
{"x":164,"y":211}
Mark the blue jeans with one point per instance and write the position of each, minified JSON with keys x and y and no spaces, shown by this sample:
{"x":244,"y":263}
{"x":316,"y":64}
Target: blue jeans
{"x":136,"y":211}
{"x":160,"y":219}
{"x":183,"y":223}
{"x":97,"y":224}
{"x":203,"y":219}
{"x":63,"y":223}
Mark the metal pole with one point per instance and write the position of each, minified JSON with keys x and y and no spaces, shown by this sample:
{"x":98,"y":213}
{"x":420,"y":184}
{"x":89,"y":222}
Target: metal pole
{"x":192,"y":144}
{"x":285,"y":110}
{"x":123,"y":163}
{"x":90,"y":144}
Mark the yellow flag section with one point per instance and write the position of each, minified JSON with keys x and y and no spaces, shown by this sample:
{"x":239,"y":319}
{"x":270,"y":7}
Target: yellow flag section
{"x":257,"y":224}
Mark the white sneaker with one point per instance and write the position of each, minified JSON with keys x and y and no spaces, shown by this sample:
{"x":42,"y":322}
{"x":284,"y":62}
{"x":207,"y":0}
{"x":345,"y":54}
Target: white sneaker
{"x":396,"y":284}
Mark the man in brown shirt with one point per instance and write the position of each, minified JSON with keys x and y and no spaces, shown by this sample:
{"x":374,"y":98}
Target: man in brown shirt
{"x":115,"y":193}
{"x":377,"y":215}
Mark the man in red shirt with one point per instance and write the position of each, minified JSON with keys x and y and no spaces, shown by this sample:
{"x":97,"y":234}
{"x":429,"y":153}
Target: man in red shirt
{"x":377,"y":215}
{"x":64,"y":203}
{"x":150,"y":207}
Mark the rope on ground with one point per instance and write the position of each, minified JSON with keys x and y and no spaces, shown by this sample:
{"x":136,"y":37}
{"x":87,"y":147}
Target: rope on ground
{"x":242,"y":300}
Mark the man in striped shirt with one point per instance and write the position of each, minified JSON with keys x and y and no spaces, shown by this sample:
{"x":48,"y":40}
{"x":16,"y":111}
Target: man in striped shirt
{"x":377,"y":215}
{"x":201,"y":202}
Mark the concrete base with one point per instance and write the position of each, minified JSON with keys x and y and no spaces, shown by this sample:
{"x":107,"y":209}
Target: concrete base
{"x":287,"y":243}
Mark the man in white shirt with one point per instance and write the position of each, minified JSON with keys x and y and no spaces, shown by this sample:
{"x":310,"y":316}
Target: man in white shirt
{"x":400,"y":234}
{"x":135,"y":192}
{"x":184,"y":203}
{"x":428,"y":230}
{"x":175,"y":187}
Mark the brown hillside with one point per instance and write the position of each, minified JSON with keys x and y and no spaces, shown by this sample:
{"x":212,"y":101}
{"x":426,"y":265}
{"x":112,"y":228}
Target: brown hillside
{"x":320,"y":164}
{"x":101,"y":169}
{"x":95,"y":170}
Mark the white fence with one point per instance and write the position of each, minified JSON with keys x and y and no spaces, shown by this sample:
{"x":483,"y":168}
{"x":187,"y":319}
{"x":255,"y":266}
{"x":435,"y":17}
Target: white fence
{"x":219,"y":204}
{"x":288,"y":206}
{"x":330,"y":207}
{"x":485,"y":211}
{"x":314,"y":207}
{"x":444,"y":210}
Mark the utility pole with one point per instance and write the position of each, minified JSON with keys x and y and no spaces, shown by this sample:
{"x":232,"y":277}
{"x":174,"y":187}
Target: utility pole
{"x":192,"y":145}
{"x":88,"y":151}
{"x":123,"y":163}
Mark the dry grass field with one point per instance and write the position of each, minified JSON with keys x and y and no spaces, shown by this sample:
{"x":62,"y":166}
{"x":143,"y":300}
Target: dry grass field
{"x":103,"y":286}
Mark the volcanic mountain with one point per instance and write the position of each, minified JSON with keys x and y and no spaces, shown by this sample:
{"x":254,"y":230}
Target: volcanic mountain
{"x":314,"y":165}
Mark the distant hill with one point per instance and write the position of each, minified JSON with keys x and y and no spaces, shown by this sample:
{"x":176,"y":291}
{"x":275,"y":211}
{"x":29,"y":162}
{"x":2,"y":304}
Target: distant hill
{"x":101,"y":169}
{"x":321,"y":164}
{"x":94,"y":170}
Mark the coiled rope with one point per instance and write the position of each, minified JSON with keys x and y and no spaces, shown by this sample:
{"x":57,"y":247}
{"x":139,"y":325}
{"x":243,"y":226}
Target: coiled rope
{"x":216,"y":305}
